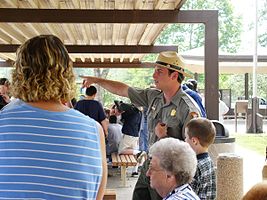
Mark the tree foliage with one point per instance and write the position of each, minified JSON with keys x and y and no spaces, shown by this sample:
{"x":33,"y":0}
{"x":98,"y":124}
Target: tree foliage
{"x":189,"y":36}
{"x":140,"y":78}
{"x":102,"y":73}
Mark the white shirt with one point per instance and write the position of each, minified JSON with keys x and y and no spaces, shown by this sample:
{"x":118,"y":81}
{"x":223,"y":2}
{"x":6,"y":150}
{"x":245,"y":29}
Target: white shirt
{"x":223,"y":109}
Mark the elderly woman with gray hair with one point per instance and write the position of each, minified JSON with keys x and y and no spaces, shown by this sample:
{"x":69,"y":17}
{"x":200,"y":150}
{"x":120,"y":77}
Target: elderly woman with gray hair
{"x":172,"y":167}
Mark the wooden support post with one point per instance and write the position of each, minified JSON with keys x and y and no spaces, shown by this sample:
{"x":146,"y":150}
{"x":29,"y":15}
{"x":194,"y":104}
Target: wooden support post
{"x":123,"y":175}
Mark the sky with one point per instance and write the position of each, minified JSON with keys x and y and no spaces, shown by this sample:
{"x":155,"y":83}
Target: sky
{"x":247,"y":9}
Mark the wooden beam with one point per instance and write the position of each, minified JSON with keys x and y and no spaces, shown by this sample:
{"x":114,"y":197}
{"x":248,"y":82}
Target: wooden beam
{"x":112,"y":65}
{"x":241,"y":58}
{"x":6,"y":64}
{"x":230,"y":58}
{"x":119,"y":48}
{"x":211,"y":66}
{"x":103,"y":16}
{"x":143,"y":49}
{"x":98,"y":64}
{"x":8,"y":48}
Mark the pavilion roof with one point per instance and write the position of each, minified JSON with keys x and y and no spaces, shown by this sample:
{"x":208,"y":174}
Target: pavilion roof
{"x":95,"y":31}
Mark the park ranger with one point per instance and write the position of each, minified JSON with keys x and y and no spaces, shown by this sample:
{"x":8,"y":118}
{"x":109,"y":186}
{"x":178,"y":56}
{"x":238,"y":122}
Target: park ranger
{"x":169,"y":108}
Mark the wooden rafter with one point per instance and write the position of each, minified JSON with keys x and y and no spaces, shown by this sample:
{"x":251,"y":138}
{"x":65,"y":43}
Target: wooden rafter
{"x":102,"y":16}
{"x":5,"y":38}
{"x":7,"y":56}
{"x":9,"y":48}
{"x":12,"y":33}
{"x":112,"y":65}
{"x":22,"y":29}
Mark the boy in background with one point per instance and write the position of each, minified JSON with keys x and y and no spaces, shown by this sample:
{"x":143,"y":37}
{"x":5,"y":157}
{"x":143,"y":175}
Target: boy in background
{"x":200,"y":134}
{"x":93,"y":108}
{"x":4,"y":92}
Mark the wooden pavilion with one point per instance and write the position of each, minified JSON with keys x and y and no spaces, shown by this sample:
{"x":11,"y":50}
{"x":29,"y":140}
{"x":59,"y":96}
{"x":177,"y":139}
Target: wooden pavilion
{"x":108,"y":33}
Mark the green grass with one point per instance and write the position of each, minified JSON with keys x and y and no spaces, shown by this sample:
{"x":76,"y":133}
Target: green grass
{"x":254,"y":142}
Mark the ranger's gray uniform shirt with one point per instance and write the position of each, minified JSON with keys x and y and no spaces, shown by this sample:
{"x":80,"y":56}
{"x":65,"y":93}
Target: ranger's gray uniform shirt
{"x":174,"y":114}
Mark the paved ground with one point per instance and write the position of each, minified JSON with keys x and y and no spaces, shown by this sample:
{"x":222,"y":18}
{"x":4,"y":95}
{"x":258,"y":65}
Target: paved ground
{"x":252,"y":161}
{"x":241,"y":125}
{"x":252,"y":166}
{"x":114,"y":182}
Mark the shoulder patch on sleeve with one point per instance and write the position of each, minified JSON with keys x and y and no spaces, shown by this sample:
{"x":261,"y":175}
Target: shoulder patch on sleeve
{"x":194,"y":108}
{"x":194,"y":114}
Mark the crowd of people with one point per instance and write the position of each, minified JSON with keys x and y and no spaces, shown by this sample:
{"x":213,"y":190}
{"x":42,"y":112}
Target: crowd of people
{"x":50,"y":150}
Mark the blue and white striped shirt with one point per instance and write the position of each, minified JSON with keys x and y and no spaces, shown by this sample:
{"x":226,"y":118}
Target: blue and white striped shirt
{"x":48,"y":155}
{"x":183,"y":192}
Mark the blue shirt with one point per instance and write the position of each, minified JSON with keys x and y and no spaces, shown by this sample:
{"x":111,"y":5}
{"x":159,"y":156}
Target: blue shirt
{"x":48,"y":155}
{"x":91,"y":108}
{"x":197,"y":98}
{"x":131,"y":122}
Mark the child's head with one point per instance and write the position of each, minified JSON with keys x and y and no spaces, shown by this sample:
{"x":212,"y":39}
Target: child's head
{"x":200,"y":130}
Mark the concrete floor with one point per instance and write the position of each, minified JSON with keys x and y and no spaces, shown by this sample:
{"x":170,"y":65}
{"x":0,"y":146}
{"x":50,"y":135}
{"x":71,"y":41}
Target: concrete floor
{"x":252,"y":166}
{"x":114,"y":182}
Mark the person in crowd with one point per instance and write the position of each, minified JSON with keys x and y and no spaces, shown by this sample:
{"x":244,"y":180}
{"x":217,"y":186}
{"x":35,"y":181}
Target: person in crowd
{"x":92,"y":108}
{"x":107,"y":112}
{"x":48,"y":150}
{"x":257,"y":192}
{"x":70,"y":103}
{"x":131,"y":119}
{"x":114,"y":135}
{"x":73,"y":101}
{"x":223,"y":109}
{"x":115,"y":111}
{"x":172,"y":167}
{"x":197,"y":98}
{"x":4,"y":92}
{"x":200,"y":134}
{"x":168,"y":107}
{"x":192,"y":84}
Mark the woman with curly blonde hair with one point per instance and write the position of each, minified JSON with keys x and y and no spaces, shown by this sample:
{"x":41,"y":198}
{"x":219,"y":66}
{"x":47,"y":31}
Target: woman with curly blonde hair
{"x":49,"y":151}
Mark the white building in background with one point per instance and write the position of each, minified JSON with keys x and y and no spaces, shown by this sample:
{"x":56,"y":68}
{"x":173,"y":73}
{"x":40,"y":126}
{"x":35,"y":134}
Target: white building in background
{"x":229,"y":63}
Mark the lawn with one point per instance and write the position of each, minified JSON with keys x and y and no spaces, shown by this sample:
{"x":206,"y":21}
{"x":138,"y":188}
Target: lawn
{"x":255,"y":142}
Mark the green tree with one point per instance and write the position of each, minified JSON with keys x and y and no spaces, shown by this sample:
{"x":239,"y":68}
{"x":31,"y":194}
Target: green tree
{"x":98,"y":72}
{"x":135,"y":77}
{"x":189,"y":36}
{"x":102,"y":73}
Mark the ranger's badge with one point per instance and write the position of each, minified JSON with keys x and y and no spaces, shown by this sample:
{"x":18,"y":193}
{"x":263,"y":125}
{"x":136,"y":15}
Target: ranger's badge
{"x":173,"y":112}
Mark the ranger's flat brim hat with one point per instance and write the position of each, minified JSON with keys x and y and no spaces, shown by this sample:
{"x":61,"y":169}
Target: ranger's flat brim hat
{"x":173,"y":61}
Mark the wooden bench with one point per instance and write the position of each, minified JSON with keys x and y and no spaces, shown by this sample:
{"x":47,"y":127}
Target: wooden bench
{"x":123,"y":161}
{"x":110,"y":194}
